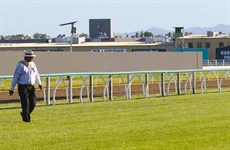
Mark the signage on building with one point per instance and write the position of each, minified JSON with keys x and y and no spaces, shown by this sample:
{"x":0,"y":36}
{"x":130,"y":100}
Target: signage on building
{"x":148,"y":50}
{"x":108,"y":50}
{"x":223,"y":53}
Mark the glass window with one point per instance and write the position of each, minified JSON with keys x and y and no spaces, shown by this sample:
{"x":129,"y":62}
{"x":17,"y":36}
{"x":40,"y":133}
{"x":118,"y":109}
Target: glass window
{"x":207,"y":45}
{"x":190,"y":45}
{"x":221,"y":44}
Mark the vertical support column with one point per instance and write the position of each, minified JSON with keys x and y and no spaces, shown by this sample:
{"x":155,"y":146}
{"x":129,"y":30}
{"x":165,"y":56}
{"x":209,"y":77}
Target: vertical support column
{"x":194,"y":82}
{"x":110,"y":88}
{"x":162,"y":84}
{"x":146,"y":85}
{"x":47,"y":90}
{"x":70,"y":89}
{"x":91,"y":88}
{"x":129,"y":87}
{"x":178,"y":84}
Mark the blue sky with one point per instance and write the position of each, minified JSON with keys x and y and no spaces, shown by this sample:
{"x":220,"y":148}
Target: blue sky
{"x":44,"y":16}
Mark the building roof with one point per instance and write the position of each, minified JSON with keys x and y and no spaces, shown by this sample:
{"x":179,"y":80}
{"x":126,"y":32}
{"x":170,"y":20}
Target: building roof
{"x":9,"y":45}
{"x":199,"y":36}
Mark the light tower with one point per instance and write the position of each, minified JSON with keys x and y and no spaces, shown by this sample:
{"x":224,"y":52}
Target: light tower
{"x":73,"y":30}
{"x":178,"y":34}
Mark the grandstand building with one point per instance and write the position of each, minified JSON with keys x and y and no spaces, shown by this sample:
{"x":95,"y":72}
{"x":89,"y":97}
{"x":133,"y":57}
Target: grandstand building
{"x":205,"y":41}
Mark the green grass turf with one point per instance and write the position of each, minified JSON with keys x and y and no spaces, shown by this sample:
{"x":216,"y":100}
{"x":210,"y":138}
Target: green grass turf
{"x":200,"y":121}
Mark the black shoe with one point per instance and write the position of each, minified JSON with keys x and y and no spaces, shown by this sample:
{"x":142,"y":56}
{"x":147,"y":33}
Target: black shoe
{"x":23,"y":118}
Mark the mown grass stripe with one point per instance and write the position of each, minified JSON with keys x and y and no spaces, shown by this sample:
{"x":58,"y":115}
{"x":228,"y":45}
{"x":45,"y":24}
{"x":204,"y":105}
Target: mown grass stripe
{"x":198,"y":121}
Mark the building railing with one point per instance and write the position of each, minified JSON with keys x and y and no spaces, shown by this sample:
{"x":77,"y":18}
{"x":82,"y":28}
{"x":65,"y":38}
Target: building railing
{"x":216,"y":62}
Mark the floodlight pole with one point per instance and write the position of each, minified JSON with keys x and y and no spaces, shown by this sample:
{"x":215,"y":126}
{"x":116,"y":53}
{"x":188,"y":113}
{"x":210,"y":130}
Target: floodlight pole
{"x":71,"y":40}
{"x":73,"y":30}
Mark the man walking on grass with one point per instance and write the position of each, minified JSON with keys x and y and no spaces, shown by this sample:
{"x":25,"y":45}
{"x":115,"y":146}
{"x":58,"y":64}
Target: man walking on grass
{"x":25,"y":75}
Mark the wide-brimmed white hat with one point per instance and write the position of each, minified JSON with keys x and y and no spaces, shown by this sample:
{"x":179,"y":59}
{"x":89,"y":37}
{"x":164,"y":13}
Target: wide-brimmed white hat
{"x":29,"y":53}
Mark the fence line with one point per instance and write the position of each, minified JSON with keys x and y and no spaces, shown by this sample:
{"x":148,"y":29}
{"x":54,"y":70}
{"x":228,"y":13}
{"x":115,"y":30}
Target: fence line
{"x":163,"y":78}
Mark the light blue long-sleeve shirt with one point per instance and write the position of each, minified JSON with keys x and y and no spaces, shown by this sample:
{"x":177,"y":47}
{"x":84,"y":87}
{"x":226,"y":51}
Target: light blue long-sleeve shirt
{"x":25,"y":75}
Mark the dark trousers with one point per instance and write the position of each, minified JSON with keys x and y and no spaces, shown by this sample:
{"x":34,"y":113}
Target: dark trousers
{"x":28,"y":100}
